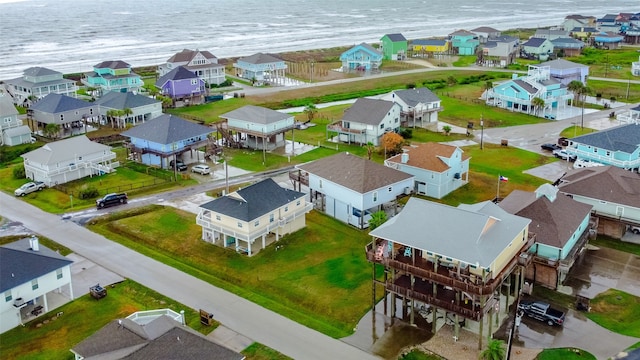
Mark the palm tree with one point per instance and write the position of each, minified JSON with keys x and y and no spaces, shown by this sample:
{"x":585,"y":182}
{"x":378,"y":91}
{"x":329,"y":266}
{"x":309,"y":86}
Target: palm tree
{"x":495,"y":350}
{"x":311,"y":110}
{"x":112,"y":114}
{"x":446,"y":129}
{"x":578,"y":89}
{"x":126,"y":112}
{"x":537,"y":103}
{"x":51,"y":130}
{"x":377,"y":218}
{"x":370,"y":149}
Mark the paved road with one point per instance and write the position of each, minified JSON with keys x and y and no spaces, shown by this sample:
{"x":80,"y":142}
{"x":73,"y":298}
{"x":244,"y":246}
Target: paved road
{"x":236,"y":313}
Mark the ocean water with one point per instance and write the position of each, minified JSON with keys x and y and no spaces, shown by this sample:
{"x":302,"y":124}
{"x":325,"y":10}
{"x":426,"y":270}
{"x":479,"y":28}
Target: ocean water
{"x":73,"y":35}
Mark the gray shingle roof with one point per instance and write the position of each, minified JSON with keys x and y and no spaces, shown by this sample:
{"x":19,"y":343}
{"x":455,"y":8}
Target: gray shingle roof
{"x":162,"y":338}
{"x":395,"y":37}
{"x":567,"y":43}
{"x":260,"y":58}
{"x":256,"y":114}
{"x":65,"y":150}
{"x":167,"y":129}
{"x":534,"y":42}
{"x":40,"y":71}
{"x":188,"y":55}
{"x":112,"y":64}
{"x":554,"y":218}
{"x":120,"y":100}
{"x":607,"y":183}
{"x":474,"y":234}
{"x":57,"y":103}
{"x":525,"y":86}
{"x":624,"y":138}
{"x":355,"y":173}
{"x":562,"y":64}
{"x":19,"y":264}
{"x":179,"y":73}
{"x":485,"y":29}
{"x":17,"y":131}
{"x":6,"y":107}
{"x":434,"y":42}
{"x":253,"y":201}
{"x":368,"y":111}
{"x":413,"y":97}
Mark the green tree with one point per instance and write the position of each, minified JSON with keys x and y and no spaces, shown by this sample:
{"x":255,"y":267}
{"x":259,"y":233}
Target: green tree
{"x":370,"y":149}
{"x":111,"y":115}
{"x":377,"y":218}
{"x":579,"y":90}
{"x":126,"y":112}
{"x":446,"y":129}
{"x":311,"y":110}
{"x":51,"y":130}
{"x":495,"y":350}
{"x":537,"y":103}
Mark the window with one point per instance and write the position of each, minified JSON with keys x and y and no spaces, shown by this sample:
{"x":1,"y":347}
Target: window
{"x":194,"y":81}
{"x":218,"y":217}
{"x":286,"y":208}
{"x":61,"y":117}
{"x":59,"y":274}
{"x":608,"y":153}
{"x":271,"y":218}
{"x":34,"y":284}
{"x":320,"y":184}
{"x":298,"y":203}
{"x":239,"y":224}
{"x":390,"y":188}
{"x":7,"y":296}
{"x":375,"y":196}
{"x":595,"y":150}
{"x":257,"y":223}
{"x":382,"y":126}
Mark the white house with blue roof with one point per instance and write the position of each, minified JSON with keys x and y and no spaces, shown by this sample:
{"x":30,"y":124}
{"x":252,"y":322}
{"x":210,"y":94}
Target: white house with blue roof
{"x":12,"y":131}
{"x":261,"y":212}
{"x":261,"y":68}
{"x":164,"y":139}
{"x":618,"y":146}
{"x":62,"y":110}
{"x":367,"y":120}
{"x":518,"y":93}
{"x":30,"y":274}
{"x":38,"y":82}
{"x":143,"y":108}
{"x":418,"y":105}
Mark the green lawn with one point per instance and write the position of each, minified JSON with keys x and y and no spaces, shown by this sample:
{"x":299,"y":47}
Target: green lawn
{"x":617,"y":311}
{"x":564,"y":354}
{"x":83,"y":317}
{"x":319,"y":277}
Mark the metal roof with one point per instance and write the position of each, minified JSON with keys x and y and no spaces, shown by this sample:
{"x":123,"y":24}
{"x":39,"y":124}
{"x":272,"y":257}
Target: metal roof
{"x":65,"y":150}
{"x":624,"y":138}
{"x":58,"y":103}
{"x":120,"y":100}
{"x":368,"y":111}
{"x":167,"y":129}
{"x":256,"y":114}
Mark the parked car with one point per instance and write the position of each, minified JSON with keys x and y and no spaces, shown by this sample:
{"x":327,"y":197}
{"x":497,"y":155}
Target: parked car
{"x":585,"y":163}
{"x":201,"y":169}
{"x":542,"y":311}
{"x":29,"y":188}
{"x":564,"y":155}
{"x":178,"y":165}
{"x":634,"y":229}
{"x":549,"y":116}
{"x":111,"y":199}
{"x":550,"y":147}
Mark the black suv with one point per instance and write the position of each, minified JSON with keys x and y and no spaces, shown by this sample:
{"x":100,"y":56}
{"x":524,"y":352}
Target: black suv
{"x":178,"y":165}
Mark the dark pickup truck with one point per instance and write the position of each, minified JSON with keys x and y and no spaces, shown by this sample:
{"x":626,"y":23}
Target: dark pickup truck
{"x":542,"y":311}
{"x":111,"y":199}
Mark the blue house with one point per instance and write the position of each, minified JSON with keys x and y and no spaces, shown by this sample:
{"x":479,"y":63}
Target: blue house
{"x":113,"y":76}
{"x":261,"y":68}
{"x":618,"y":146}
{"x":438,"y":168}
{"x":182,"y":84}
{"x":608,"y":40}
{"x":518,"y":93}
{"x":561,"y":226}
{"x":464,"y":41}
{"x":164,"y":139}
{"x":361,"y":57}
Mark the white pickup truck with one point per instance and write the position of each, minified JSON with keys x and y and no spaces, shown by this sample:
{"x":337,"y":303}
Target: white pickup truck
{"x":29,"y":188}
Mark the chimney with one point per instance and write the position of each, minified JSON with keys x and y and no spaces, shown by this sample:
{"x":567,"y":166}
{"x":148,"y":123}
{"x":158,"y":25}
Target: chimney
{"x":33,"y":242}
{"x":404,"y":157}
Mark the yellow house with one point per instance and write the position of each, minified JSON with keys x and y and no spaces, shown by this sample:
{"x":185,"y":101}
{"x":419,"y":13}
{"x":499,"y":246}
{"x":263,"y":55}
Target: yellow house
{"x":430,"y":46}
{"x":584,"y":33}
{"x":262,"y":211}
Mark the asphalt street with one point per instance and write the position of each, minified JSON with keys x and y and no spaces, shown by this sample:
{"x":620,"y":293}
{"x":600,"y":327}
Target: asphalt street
{"x":234,"y":312}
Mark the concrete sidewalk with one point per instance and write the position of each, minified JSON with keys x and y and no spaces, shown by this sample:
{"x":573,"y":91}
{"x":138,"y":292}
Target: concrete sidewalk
{"x":236,"y":313}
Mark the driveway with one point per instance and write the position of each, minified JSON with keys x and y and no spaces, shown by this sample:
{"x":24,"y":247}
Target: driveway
{"x":238,"y":314}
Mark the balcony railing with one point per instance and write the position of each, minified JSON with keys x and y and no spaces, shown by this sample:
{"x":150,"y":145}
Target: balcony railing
{"x":337,"y":126}
{"x":424,"y":269}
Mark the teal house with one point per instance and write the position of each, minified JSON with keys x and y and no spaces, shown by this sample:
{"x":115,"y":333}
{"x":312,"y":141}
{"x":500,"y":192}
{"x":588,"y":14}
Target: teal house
{"x":618,"y":146}
{"x":361,"y":57}
{"x":561,"y":225}
{"x":518,"y":93}
{"x":112,"y":76}
{"x":394,"y":46}
{"x":464,"y":42}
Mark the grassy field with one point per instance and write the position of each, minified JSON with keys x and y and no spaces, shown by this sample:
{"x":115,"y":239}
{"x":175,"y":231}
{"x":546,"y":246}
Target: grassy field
{"x":83,"y":317}
{"x":617,"y":311}
{"x":565,"y":354}
{"x":319,"y":277}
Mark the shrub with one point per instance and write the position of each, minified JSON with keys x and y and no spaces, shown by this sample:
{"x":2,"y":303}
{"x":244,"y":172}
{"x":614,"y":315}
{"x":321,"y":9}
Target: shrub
{"x":89,"y":193}
{"x":18,"y":172}
{"x":406,"y":133}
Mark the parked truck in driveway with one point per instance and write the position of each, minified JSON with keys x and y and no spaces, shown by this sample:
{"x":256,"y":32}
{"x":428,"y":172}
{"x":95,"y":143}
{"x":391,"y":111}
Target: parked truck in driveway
{"x":542,"y":311}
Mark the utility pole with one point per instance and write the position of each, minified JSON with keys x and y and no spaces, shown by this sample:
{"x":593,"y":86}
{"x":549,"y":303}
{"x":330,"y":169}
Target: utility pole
{"x":481,"y":131}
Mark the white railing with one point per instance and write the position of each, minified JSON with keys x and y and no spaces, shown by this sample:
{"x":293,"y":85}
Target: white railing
{"x":607,"y":160}
{"x":143,"y":317}
{"x":84,"y":164}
